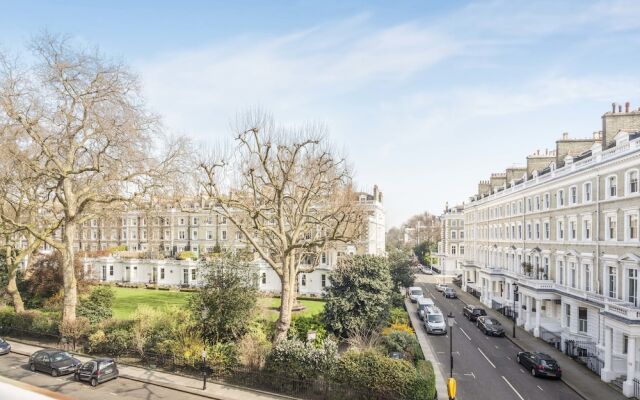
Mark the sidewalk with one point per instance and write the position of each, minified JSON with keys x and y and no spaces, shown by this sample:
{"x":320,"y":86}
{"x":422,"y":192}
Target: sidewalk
{"x":441,"y":385}
{"x":578,"y":377}
{"x":170,"y":381}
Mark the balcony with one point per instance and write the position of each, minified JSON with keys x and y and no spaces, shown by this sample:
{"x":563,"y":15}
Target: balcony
{"x":627,"y":311}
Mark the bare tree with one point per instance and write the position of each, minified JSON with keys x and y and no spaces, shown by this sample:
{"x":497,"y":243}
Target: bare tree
{"x":288,"y":194}
{"x":80,"y":131}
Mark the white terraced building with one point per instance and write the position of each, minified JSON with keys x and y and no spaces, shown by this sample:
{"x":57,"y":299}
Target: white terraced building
{"x":564,"y":229}
{"x":153,"y":239}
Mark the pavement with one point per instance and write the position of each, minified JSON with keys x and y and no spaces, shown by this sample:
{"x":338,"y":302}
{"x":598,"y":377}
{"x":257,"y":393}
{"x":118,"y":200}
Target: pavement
{"x":484,"y":367}
{"x":578,"y":377}
{"x":163,"y":385}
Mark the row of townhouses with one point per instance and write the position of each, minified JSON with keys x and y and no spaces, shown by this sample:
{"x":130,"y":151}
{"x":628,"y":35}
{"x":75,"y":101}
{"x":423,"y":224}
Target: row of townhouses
{"x":562,"y":229}
{"x":154,"y":240}
{"x":450,"y":255}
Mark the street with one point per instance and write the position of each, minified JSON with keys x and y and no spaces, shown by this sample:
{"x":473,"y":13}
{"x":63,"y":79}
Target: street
{"x":485,"y":367}
{"x":14,"y":366}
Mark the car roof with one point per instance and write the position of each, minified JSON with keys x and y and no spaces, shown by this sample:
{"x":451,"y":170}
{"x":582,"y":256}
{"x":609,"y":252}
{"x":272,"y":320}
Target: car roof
{"x":415,"y":288}
{"x":544,"y":356}
{"x":50,"y":351}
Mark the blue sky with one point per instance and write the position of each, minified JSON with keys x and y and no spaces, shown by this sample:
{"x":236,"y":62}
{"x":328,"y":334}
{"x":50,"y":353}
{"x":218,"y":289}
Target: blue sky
{"x":425,"y":97}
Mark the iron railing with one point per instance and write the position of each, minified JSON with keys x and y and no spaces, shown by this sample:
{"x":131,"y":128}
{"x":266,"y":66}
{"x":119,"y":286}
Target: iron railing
{"x":585,"y":352}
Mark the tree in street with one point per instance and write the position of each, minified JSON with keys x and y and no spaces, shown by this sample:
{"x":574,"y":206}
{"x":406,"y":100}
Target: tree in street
{"x":401,"y":268}
{"x":288,"y":194}
{"x":359,"y":298}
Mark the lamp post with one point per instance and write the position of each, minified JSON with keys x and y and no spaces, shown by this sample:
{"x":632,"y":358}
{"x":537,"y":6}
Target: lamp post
{"x":451,"y":382}
{"x":205,"y":314}
{"x":204,"y":370}
{"x":515,"y":293}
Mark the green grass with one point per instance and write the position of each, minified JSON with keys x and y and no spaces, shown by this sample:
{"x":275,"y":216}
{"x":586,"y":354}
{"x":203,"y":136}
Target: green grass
{"x":127,"y":300}
{"x":271,"y":305}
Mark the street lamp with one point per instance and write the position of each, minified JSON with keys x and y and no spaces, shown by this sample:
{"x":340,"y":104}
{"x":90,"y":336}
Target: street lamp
{"x":451,"y":319}
{"x":515,"y":293}
{"x":451,"y":382}
{"x":204,"y":369}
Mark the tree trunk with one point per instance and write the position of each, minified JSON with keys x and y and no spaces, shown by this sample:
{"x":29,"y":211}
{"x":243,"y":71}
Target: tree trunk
{"x":288,"y":296}
{"x":12,"y":286}
{"x":69,"y":274}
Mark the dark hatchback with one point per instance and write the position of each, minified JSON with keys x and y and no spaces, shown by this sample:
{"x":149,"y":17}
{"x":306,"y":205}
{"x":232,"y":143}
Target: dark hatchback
{"x":5,"y":347}
{"x":473,"y":312}
{"x":490,"y":326}
{"x":97,"y":371}
{"x":539,"y":364}
{"x":450,"y":293}
{"x":54,"y":362}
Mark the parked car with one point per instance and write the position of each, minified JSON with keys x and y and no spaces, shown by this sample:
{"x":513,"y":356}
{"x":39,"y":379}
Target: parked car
{"x":490,"y":326}
{"x":427,"y":270}
{"x":440,"y":287}
{"x":54,"y":362}
{"x":5,"y":347}
{"x":473,"y":312}
{"x":97,"y":371}
{"x":435,"y":324}
{"x":450,"y":293}
{"x":423,"y":303}
{"x":539,"y":364}
{"x":414,"y":293}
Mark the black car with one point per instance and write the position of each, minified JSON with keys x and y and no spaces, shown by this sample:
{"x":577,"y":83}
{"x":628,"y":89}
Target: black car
{"x":5,"y":347}
{"x":539,"y":364}
{"x":490,"y":326}
{"x":473,"y":312}
{"x":450,"y":293}
{"x":54,"y":362}
{"x":97,"y":371}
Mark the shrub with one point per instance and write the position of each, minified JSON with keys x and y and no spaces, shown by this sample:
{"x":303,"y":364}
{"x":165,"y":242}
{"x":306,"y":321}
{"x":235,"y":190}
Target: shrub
{"x":302,"y":361}
{"x":374,"y":374}
{"x":254,"y":346}
{"x":113,"y":343}
{"x":32,"y":320}
{"x":424,"y":386}
{"x":403,"y":342}
{"x":398,"y":316}
{"x":98,"y":306}
{"x":186,"y":255}
{"x":398,"y":327}
{"x":301,"y":325}
{"x":76,"y":330}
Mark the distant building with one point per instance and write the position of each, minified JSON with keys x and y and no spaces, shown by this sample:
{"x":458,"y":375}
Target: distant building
{"x":450,"y":253}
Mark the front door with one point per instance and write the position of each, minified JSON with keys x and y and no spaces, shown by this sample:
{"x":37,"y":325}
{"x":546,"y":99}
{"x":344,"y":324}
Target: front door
{"x":185,"y":276}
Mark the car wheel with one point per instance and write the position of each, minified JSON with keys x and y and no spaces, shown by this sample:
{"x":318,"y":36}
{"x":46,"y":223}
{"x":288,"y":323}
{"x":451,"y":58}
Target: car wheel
{"x":518,"y":359}
{"x":533,"y":372}
{"x":54,"y":372}
{"x":32,"y":367}
{"x":94,"y":382}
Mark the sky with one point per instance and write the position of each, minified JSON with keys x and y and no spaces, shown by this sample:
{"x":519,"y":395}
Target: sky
{"x":426,"y":98}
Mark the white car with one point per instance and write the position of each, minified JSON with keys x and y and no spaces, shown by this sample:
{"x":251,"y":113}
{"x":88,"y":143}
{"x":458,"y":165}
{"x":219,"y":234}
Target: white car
{"x":427,"y":271}
{"x":435,"y":324}
{"x":414,"y":293}
{"x":423,"y":304}
{"x":440,"y":287}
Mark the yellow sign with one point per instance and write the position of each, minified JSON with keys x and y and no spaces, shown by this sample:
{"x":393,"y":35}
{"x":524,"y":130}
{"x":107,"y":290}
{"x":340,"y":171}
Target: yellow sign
{"x":451,"y":388}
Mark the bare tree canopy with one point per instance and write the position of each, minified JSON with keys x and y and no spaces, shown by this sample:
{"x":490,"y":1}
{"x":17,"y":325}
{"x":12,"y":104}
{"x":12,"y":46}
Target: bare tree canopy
{"x":75,"y":126}
{"x":288,"y":194}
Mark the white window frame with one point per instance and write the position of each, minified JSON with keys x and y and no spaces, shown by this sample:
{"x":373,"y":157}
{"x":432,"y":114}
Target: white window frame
{"x":608,"y":187}
{"x":587,"y":192}
{"x":627,"y":180}
{"x":560,"y":199}
{"x":607,"y":227}
{"x":627,"y":226}
{"x":585,"y":220}
{"x":573,"y":195}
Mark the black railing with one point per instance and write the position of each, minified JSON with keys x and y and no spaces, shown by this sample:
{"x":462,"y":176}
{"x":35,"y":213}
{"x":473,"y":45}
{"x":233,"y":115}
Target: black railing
{"x":636,"y":388}
{"x":475,"y":293}
{"x":318,"y":388}
{"x":552,"y":338}
{"x":586,"y":353}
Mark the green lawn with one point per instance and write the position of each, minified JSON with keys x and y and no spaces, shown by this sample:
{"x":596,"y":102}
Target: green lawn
{"x":127,"y":301}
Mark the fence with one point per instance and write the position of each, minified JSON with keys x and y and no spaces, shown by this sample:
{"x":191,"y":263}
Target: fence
{"x":552,"y":338}
{"x":636,"y":388}
{"x":255,"y":378}
{"x":475,"y":293}
{"x":586,"y":353}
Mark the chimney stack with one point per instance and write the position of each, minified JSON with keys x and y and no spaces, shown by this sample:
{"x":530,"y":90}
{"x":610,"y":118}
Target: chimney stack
{"x":626,"y":107}
{"x":565,"y":135}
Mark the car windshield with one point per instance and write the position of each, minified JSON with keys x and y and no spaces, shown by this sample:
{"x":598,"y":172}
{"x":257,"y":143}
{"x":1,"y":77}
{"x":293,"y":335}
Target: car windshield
{"x":548,"y":363}
{"x":436,"y":318}
{"x":479,"y":311}
{"x":60,"y":356}
{"x":415,"y":292}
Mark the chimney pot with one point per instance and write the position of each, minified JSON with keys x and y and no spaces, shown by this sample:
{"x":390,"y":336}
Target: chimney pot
{"x":565,"y":135}
{"x":626,"y":107}
{"x":619,"y":108}
{"x":613,"y":108}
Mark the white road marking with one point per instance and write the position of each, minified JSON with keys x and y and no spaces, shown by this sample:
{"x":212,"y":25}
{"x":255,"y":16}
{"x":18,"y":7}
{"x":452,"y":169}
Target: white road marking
{"x":487,"y":358}
{"x":508,"y":358}
{"x":455,"y":322}
{"x":471,"y":374}
{"x":497,"y":347}
{"x":113,"y":394}
{"x":539,"y":387}
{"x":433,"y":297}
{"x":512,"y":388}
{"x":441,"y":352}
{"x":521,"y":370}
{"x":465,"y":333}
